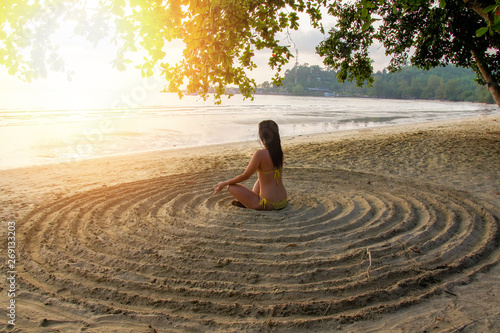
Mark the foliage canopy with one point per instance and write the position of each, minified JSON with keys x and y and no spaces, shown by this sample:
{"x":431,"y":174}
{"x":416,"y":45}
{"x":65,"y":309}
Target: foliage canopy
{"x":220,"y":37}
{"x":425,"y":32}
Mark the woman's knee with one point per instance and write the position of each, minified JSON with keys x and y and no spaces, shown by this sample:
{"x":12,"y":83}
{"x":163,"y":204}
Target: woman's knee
{"x":231,"y":188}
{"x":244,"y":195}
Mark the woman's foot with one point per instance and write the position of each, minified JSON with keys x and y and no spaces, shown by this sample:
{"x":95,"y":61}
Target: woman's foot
{"x":237,"y":204}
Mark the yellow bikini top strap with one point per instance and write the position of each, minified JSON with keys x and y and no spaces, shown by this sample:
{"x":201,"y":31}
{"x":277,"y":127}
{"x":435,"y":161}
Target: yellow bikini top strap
{"x":277,"y":176}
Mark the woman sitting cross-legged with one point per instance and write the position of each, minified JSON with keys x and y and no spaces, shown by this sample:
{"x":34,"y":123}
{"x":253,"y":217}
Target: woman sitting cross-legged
{"x":268,"y":192}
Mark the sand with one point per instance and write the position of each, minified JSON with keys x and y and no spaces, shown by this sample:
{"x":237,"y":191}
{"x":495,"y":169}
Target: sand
{"x":393,"y":229}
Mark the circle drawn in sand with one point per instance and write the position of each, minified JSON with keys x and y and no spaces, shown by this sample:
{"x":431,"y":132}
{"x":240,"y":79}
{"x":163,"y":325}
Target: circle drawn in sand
{"x":342,"y":250}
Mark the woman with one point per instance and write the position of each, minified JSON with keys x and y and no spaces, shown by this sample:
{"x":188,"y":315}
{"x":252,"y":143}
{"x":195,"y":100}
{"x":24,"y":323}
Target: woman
{"x":268,"y":192}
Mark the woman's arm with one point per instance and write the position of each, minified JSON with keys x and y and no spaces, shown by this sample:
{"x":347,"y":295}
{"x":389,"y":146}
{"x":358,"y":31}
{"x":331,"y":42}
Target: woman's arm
{"x":252,"y":166}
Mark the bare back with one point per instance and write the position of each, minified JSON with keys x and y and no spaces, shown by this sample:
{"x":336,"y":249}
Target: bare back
{"x":271,"y":184}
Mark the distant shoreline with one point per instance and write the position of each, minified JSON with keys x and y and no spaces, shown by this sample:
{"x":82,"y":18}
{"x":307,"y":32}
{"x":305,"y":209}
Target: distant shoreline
{"x":322,"y":135}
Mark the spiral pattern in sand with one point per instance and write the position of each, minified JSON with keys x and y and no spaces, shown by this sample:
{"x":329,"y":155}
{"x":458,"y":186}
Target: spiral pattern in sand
{"x":348,"y":246}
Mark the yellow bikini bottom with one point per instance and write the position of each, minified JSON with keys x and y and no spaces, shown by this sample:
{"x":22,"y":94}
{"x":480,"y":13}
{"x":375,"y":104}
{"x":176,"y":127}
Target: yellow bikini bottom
{"x":276,"y":205}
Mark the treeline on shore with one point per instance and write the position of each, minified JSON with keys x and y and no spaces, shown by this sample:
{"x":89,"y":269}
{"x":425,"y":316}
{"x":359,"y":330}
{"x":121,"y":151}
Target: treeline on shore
{"x":443,"y":83}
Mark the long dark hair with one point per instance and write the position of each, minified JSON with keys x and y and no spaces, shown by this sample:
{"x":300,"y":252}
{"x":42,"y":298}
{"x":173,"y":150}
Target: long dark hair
{"x":270,"y":137}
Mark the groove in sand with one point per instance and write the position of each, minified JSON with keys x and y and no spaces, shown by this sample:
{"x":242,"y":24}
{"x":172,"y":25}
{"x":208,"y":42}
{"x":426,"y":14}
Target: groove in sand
{"x":166,"y":247}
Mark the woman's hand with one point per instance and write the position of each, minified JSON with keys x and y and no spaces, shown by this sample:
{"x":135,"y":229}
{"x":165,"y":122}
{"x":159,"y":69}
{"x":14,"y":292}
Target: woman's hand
{"x":219,"y":187}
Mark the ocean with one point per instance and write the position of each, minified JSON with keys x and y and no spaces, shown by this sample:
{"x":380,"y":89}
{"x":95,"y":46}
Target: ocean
{"x":39,"y":128}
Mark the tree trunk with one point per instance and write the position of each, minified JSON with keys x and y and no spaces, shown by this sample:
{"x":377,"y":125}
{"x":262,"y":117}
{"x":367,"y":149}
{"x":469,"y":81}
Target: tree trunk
{"x":493,"y":86}
{"x":478,"y":7}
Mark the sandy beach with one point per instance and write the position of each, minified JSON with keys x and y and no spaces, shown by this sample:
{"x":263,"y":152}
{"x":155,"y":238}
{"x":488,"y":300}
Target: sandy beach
{"x":393,"y":229}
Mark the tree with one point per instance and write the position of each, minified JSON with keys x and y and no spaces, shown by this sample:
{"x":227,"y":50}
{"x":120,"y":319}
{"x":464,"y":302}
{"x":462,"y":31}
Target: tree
{"x":298,"y":90}
{"x":434,"y":87}
{"x":450,"y":82}
{"x":265,"y":85}
{"x":428,"y":33}
{"x":221,"y":36}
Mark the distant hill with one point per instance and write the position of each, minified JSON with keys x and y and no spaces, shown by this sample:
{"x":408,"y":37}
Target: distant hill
{"x":444,"y":83}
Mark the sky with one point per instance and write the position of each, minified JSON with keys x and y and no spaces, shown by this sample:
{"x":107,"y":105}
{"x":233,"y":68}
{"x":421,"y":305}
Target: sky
{"x":90,"y":67}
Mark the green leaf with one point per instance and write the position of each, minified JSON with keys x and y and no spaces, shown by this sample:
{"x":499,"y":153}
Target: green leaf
{"x":13,"y":70}
{"x":442,"y":3}
{"x":366,"y":26}
{"x":490,"y":8}
{"x":481,"y":31}
{"x":120,"y":66}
